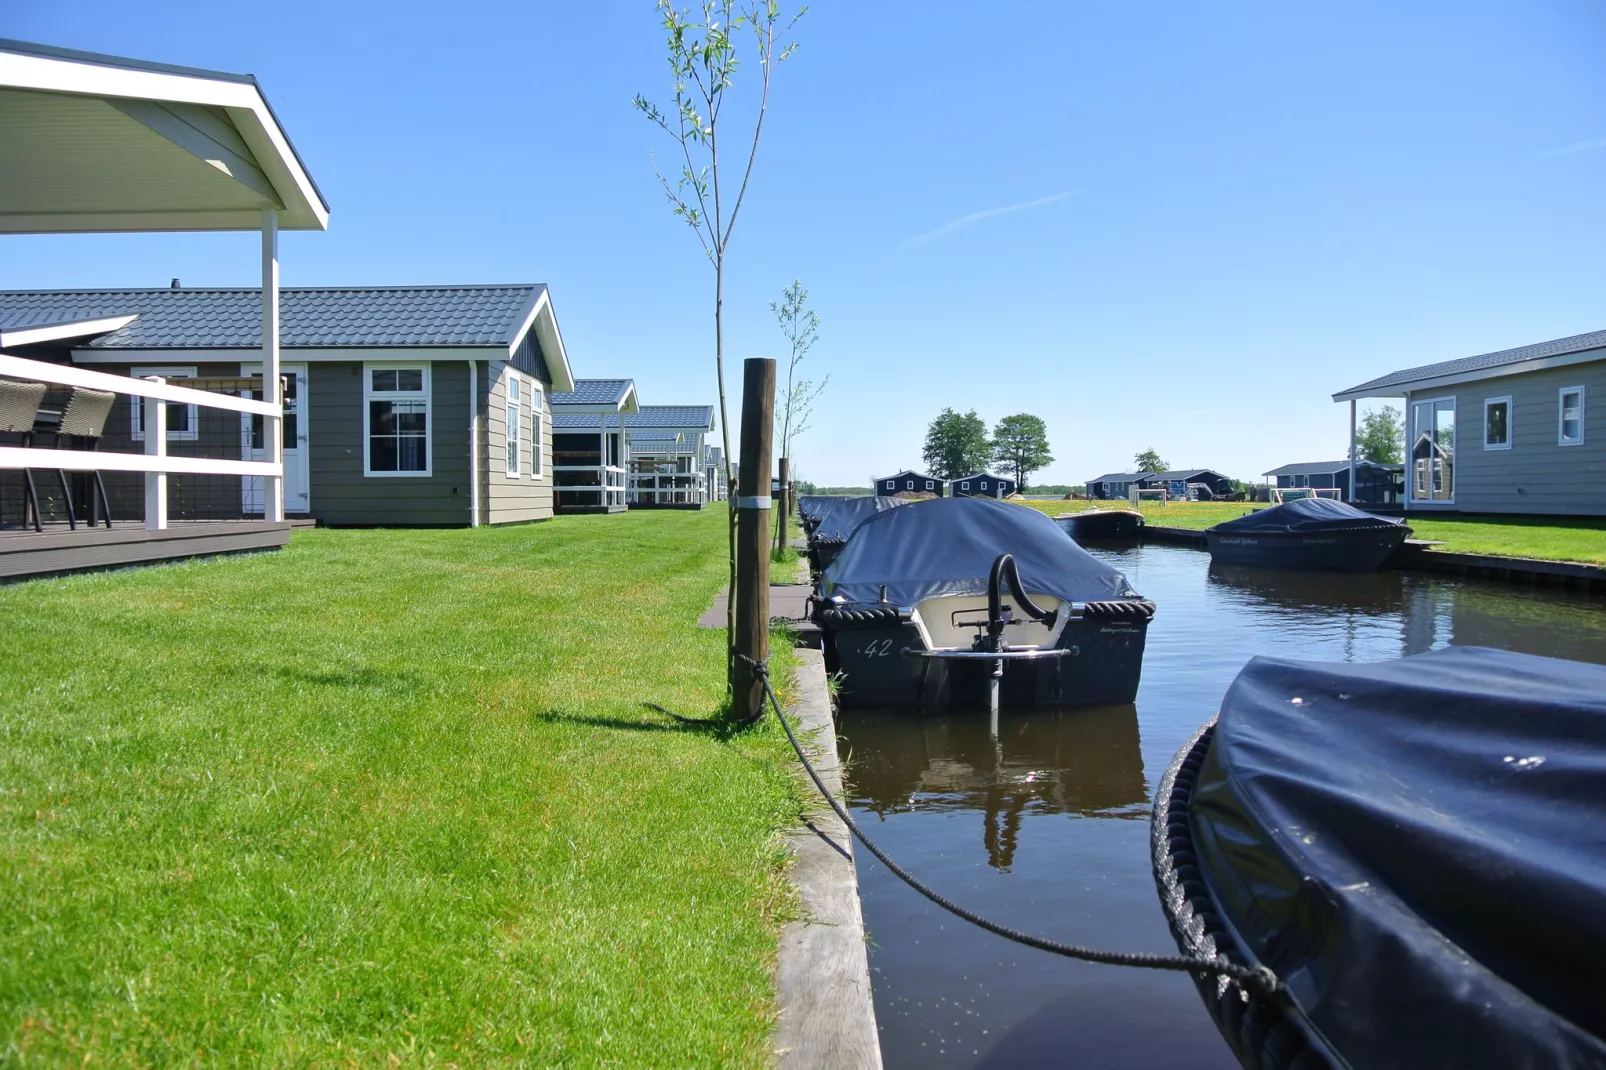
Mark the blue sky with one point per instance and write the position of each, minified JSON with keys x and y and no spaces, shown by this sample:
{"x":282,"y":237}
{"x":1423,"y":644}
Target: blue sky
{"x":1176,"y":226}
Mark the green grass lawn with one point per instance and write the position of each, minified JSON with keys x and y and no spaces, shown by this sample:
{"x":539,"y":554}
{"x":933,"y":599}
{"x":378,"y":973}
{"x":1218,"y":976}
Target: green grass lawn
{"x":1551,"y":540}
{"x":388,"y":796}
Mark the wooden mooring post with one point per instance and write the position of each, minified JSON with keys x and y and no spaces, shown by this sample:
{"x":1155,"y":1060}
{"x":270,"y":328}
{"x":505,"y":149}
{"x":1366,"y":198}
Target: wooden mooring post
{"x":783,"y":502}
{"x":752,"y":636}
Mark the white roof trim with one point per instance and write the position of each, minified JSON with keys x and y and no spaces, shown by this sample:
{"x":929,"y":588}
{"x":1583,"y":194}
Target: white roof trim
{"x":545,"y":322}
{"x":247,"y":109}
{"x":58,"y":332}
{"x":1498,"y":371}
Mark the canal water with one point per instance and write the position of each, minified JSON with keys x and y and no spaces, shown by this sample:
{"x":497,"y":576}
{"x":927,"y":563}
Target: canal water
{"x":1046,"y":828}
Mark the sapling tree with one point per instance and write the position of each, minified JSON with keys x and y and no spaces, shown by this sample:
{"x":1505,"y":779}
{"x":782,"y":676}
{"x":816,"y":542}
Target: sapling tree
{"x":800,"y":326}
{"x":704,"y":58}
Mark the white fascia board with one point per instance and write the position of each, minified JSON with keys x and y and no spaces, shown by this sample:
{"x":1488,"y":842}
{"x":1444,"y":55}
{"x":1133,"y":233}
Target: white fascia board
{"x":544,"y":322}
{"x":630,"y":404}
{"x":322,"y":354}
{"x":58,"y":332}
{"x":1499,"y":371}
{"x":243,"y":102}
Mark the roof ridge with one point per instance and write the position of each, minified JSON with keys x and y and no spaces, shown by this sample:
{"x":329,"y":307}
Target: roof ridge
{"x":282,"y":289}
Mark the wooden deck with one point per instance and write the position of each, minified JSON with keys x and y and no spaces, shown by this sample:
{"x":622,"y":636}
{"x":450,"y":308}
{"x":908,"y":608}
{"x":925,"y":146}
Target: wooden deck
{"x":25,"y":553}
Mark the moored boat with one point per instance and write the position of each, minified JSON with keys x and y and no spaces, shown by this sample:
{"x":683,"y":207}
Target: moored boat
{"x":1308,"y":533}
{"x":926,"y":607}
{"x":834,"y":528}
{"x":1412,"y":848}
{"x":1094,"y":525}
{"x":811,"y":509}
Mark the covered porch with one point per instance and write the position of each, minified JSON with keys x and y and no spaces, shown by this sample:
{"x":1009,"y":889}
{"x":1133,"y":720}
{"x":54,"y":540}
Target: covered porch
{"x":104,"y":144}
{"x":591,"y":445}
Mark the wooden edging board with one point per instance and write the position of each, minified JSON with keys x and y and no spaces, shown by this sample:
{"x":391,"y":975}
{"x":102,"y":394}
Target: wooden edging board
{"x":827,"y":1015}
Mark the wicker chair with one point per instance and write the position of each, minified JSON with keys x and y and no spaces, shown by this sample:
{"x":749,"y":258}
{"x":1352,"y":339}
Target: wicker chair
{"x":83,"y":421}
{"x":19,"y":408}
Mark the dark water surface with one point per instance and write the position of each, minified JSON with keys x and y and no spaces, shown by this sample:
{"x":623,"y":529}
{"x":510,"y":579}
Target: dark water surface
{"x":1046,"y":829}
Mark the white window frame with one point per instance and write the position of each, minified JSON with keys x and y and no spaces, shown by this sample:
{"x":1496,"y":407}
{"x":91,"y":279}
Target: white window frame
{"x":136,"y":405}
{"x":910,"y":484}
{"x":537,"y":414}
{"x":426,"y":396}
{"x":512,"y":421}
{"x":1489,"y":403}
{"x":1415,"y":432}
{"x":931,"y":485}
{"x":1561,"y":415}
{"x":965,"y":485}
{"x":892,"y":484}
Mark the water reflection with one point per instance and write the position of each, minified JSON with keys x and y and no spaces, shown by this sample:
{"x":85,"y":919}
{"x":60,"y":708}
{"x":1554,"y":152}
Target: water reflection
{"x":1086,"y":762}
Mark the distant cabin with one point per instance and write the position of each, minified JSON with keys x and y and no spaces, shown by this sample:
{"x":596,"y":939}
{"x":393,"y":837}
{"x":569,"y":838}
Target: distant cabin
{"x":909,"y":483}
{"x":1117,"y":486}
{"x":1376,"y":484}
{"x":1515,"y":431}
{"x":1176,"y":483}
{"x":981,"y":485}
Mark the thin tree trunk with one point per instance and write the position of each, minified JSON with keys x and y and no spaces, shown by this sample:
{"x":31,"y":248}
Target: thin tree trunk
{"x":725,"y":438}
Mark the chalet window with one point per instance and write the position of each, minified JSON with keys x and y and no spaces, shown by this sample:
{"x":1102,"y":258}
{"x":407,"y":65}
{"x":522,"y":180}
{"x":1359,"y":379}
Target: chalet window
{"x":1497,"y":423}
{"x":984,"y":484}
{"x":965,"y":485}
{"x":537,"y":416}
{"x":1570,"y":429}
{"x":911,"y":485}
{"x":930,"y":485}
{"x":514,"y":419}
{"x":1433,"y":450}
{"x":892,"y":484}
{"x":182,"y":424}
{"x":396,"y":420}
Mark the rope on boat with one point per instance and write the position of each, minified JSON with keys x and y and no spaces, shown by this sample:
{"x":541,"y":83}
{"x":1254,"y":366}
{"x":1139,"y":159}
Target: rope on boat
{"x":1258,"y":979}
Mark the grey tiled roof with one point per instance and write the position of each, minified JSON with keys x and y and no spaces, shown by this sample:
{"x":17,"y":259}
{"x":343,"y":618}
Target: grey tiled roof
{"x":594,"y":392}
{"x":1123,"y":477}
{"x":687,"y":416}
{"x":1319,"y":468}
{"x":905,"y":472}
{"x":1557,"y":347}
{"x":654,"y":436}
{"x":982,"y":475}
{"x":347,"y":316}
{"x":584,"y":421}
{"x":1185,"y":473}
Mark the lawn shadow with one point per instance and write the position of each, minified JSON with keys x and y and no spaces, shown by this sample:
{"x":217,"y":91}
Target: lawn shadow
{"x":361,"y":677}
{"x":556,"y":716}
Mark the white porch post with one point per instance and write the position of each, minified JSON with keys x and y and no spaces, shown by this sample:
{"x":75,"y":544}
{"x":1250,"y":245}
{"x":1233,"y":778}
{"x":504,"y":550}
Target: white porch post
{"x":473,"y":443}
{"x":155,"y":446}
{"x":272,"y":426}
{"x":1352,"y":495}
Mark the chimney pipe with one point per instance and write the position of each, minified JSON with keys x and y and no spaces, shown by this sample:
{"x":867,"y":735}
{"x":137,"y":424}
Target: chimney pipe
{"x":174,"y":285}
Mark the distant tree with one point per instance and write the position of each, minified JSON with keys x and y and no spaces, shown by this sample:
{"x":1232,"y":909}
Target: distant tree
{"x":800,"y":325}
{"x":1149,"y":461}
{"x":803,"y":486}
{"x":1020,"y":444}
{"x":1382,"y":436}
{"x":956,"y":445}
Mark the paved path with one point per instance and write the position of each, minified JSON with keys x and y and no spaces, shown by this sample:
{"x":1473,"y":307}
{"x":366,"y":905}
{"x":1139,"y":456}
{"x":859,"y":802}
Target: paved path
{"x":786,"y":601}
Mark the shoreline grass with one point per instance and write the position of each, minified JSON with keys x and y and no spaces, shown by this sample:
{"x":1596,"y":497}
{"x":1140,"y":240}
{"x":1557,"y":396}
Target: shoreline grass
{"x":1582,"y":540}
{"x":389,"y":796}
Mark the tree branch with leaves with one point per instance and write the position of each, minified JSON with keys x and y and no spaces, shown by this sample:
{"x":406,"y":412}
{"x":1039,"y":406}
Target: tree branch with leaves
{"x":704,"y":59}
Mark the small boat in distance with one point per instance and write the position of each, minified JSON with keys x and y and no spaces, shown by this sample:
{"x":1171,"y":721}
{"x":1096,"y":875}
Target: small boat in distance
{"x":837,"y":524}
{"x":970,"y":601}
{"x":1308,"y":533}
{"x":1411,"y":847}
{"x":811,"y":509}
{"x":1095,"y":525}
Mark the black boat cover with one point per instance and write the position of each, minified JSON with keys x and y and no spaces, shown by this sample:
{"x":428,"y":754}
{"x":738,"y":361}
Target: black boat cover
{"x":814,"y":506}
{"x":947,"y":546}
{"x":1417,"y":848}
{"x":840,"y":520}
{"x":1307,"y":515}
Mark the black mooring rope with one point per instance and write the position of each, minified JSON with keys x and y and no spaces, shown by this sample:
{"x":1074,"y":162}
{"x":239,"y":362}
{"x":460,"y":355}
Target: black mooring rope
{"x":1259,"y":979}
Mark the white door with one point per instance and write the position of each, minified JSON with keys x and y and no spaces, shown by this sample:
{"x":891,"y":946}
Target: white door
{"x":297,"y":492}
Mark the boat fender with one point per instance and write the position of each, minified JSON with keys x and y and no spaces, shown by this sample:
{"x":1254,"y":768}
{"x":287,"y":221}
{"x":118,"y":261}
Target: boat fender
{"x":1134,"y":608}
{"x":866,"y":617}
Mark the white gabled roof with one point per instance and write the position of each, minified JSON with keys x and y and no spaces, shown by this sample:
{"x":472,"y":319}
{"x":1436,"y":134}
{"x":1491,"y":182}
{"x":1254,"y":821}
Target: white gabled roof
{"x":96,"y":143}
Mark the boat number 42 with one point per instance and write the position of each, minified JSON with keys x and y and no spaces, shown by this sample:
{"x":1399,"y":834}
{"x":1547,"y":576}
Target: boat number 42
{"x":878,"y":648}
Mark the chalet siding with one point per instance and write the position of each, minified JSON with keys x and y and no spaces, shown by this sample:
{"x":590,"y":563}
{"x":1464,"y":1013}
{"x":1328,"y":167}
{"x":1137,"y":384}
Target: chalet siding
{"x":511,"y":500}
{"x":342,"y":495}
{"x":1537,"y":474}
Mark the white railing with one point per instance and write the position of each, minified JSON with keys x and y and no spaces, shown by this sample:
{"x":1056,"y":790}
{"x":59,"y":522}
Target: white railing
{"x":155,"y":461}
{"x":668,"y":488}
{"x":607,"y":491}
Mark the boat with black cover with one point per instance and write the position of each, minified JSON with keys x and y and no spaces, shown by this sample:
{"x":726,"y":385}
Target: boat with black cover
{"x":1106,"y":525}
{"x":811,"y":509}
{"x":1308,"y":533}
{"x":958,"y":601}
{"x":1414,"y":848}
{"x":837,"y":525}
